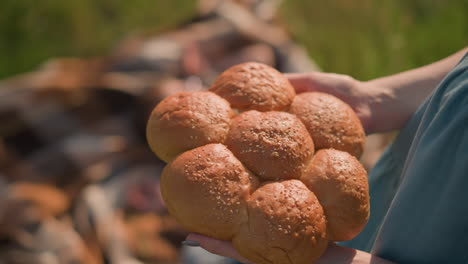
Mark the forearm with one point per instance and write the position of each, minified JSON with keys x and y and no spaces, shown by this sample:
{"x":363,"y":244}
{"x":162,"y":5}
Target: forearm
{"x":401,"y":94}
{"x":337,"y":254}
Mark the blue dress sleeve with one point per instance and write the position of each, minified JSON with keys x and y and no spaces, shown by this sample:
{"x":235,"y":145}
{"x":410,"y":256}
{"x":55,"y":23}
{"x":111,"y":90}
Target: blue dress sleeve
{"x":419,"y":187}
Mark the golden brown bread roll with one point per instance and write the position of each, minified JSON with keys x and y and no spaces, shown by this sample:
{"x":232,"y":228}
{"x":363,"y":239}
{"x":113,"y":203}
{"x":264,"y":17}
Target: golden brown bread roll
{"x":304,"y":200}
{"x":273,"y":145}
{"x":331,"y":122}
{"x":206,"y":190}
{"x":286,"y":225}
{"x":340,"y":183}
{"x":254,"y":86}
{"x":187,"y":120}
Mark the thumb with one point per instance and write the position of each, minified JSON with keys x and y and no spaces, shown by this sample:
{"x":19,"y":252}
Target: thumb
{"x":333,"y":83}
{"x":219,"y":247}
{"x":302,"y":82}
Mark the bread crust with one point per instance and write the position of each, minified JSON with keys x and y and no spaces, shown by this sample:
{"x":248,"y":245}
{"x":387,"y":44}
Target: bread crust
{"x":340,"y":183}
{"x":254,"y":86}
{"x":331,"y":122}
{"x":253,"y":179}
{"x":286,"y":225}
{"x":187,"y":120}
{"x":206,"y":189}
{"x":273,"y":145}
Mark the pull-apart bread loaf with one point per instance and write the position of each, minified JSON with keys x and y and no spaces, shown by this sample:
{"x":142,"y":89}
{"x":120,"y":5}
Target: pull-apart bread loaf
{"x":251,"y":162}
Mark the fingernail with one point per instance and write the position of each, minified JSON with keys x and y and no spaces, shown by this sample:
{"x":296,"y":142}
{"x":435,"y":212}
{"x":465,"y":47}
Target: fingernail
{"x":191,"y":243}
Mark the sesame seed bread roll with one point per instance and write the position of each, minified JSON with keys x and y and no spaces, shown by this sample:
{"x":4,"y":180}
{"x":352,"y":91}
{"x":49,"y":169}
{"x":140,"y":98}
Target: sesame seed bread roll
{"x":331,"y":122}
{"x":206,"y":190}
{"x":254,"y":86}
{"x":273,"y":145}
{"x":185,"y":121}
{"x":340,"y":183}
{"x":242,"y":166}
{"x":286,"y":225}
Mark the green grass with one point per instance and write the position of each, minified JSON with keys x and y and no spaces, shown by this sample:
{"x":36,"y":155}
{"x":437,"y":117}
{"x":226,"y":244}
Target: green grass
{"x":366,"y":38}
{"x":32,"y":31}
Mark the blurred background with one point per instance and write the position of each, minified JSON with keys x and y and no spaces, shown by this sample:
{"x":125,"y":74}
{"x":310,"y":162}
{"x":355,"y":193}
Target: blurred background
{"x":78,"y":79}
{"x":365,"y":39}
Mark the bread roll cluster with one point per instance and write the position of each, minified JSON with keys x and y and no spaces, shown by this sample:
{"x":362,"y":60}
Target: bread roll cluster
{"x":251,"y":162}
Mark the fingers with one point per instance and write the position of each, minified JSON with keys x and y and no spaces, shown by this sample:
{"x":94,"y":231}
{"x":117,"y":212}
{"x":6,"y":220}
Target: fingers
{"x":333,"y":83}
{"x":215,"y":246}
{"x":300,"y":81}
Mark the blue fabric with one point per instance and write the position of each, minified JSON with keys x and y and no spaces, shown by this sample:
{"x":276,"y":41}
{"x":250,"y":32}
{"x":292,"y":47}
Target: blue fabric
{"x":419,"y":187}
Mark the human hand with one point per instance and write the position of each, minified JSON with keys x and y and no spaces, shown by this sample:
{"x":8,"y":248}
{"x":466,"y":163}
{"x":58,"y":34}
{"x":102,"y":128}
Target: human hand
{"x":333,"y":254}
{"x":383,"y":104}
{"x":215,"y":246}
{"x":353,"y":92}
